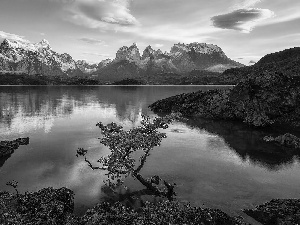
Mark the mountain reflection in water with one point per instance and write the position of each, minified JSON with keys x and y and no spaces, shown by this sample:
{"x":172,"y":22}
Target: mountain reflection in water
{"x":217,"y":163}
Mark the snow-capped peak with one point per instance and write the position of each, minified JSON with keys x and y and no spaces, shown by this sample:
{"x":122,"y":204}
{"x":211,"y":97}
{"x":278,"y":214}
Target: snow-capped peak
{"x":15,"y":44}
{"x":44,"y":44}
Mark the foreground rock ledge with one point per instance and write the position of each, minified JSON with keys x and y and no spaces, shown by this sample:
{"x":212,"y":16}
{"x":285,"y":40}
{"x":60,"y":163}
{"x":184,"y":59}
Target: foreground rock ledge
{"x":55,"y":206}
{"x":277,"y":212}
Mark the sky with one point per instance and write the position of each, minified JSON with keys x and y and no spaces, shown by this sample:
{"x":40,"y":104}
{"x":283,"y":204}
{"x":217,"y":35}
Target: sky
{"x":94,"y":30}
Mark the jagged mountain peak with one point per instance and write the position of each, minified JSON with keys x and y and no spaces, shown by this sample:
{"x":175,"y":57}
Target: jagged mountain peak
{"x":131,"y":53}
{"x":148,"y":52}
{"x":203,"y":48}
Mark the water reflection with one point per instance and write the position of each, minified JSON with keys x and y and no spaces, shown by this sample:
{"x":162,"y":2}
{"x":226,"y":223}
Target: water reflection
{"x":223,"y":164}
{"x":34,"y":107}
{"x":248,"y":143}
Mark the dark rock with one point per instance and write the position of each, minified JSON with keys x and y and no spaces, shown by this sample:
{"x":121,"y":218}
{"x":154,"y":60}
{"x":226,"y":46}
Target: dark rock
{"x":269,"y":98}
{"x":8,"y":147}
{"x":164,"y":212}
{"x":55,"y":206}
{"x":47,"y":206}
{"x":287,"y":140}
{"x":277,"y":212}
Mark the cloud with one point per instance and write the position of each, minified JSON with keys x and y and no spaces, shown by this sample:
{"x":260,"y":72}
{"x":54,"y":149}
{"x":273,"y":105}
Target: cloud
{"x":13,"y":37}
{"x":63,"y":1}
{"x":252,"y":62}
{"x":92,"y":41}
{"x":96,"y":54}
{"x":242,"y":19}
{"x":245,"y":4}
{"x":100,"y":13}
{"x":158,"y":45}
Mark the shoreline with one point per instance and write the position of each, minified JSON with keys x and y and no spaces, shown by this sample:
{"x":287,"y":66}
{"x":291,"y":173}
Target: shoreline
{"x":43,"y":206}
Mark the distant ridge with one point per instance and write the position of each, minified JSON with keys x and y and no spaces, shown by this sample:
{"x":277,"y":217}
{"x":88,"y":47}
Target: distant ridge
{"x":182,"y":59}
{"x":129,"y":63}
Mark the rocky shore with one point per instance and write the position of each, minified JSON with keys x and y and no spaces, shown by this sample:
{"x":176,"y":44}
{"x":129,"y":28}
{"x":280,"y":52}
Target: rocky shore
{"x":56,"y":206}
{"x":269,"y":98}
{"x":277,"y":211}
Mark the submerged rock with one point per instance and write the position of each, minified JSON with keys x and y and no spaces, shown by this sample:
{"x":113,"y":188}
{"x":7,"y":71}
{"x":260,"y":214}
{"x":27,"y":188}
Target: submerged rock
{"x":287,"y":140}
{"x":277,"y":212}
{"x":8,"y":147}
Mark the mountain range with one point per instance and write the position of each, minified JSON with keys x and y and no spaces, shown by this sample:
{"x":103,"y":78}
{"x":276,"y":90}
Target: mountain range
{"x":39,"y":58}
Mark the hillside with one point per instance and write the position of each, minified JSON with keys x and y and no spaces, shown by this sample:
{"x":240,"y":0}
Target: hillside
{"x":286,"y":61}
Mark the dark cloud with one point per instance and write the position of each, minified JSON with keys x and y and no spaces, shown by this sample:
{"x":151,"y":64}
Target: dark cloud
{"x":252,"y":62}
{"x":92,"y":41}
{"x":242,"y":19}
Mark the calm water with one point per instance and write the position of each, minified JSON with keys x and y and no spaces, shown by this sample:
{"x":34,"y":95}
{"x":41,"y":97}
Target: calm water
{"x":218,"y":164}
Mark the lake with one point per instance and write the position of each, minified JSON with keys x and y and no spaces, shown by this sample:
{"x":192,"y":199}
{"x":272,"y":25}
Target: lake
{"x":218,"y":164}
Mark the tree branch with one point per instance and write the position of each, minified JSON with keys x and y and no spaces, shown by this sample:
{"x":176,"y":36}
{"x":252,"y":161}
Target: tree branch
{"x":94,"y":167}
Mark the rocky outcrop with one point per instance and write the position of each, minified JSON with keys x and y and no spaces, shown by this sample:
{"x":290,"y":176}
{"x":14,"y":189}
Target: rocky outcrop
{"x":163,"y":212}
{"x":287,"y":140}
{"x":55,"y":206}
{"x":38,"y":58}
{"x":47,"y":206}
{"x":277,"y":212}
{"x":268,"y":98}
{"x":8,"y":147}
